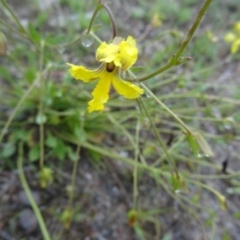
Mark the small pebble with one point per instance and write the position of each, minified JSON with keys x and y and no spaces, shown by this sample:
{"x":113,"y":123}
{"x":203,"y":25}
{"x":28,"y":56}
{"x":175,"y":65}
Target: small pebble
{"x":27,"y":220}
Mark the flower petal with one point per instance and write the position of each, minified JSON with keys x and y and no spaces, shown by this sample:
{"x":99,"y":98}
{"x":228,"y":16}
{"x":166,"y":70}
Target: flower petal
{"x":126,"y":89}
{"x":235,"y":46}
{"x":81,"y":73}
{"x":237,"y":27}
{"x":100,"y":93}
{"x":123,"y":53}
{"x":229,"y":37}
{"x":128,"y":53}
{"x":107,"y":52}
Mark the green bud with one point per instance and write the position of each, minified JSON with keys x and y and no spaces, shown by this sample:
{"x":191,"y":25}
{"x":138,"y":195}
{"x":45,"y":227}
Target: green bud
{"x":222,"y":201}
{"x":66,"y":217}
{"x":46,"y":176}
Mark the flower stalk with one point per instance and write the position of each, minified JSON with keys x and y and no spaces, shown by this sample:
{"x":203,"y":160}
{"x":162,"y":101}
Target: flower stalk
{"x":30,"y":196}
{"x":99,"y":6}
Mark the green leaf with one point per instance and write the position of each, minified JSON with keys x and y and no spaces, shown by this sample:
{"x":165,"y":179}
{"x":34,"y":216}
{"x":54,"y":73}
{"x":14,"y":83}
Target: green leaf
{"x":53,"y":120}
{"x":81,"y":134}
{"x":72,"y":155}
{"x":176,"y":182}
{"x":204,"y":145}
{"x":139,"y":232}
{"x":196,"y":142}
{"x":60,"y":150}
{"x":95,"y":155}
{"x":51,"y":141}
{"x":193,"y":144}
{"x":30,"y":74}
{"x":33,"y":33}
{"x":8,"y":150}
{"x":34,"y":153}
{"x":21,"y":135}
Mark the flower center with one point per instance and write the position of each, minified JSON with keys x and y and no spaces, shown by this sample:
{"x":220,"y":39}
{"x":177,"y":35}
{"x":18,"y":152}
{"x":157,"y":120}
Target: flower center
{"x":110,"y":67}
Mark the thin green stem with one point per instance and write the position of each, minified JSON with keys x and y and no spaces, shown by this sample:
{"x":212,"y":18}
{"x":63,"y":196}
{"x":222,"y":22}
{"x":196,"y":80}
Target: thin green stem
{"x":75,"y":165}
{"x":98,"y":7}
{"x":215,"y":177}
{"x":96,"y":37}
{"x":65,"y":44}
{"x":213,"y":232}
{"x":159,"y":137}
{"x":21,"y":28}
{"x":191,"y":202}
{"x":10,"y":28}
{"x":74,"y":175}
{"x":170,"y":151}
{"x":110,"y":154}
{"x":150,"y":93}
{"x":114,"y":29}
{"x":135,"y":169}
{"x":30,"y":196}
{"x":160,"y":70}
{"x":41,"y":127}
{"x":126,"y":133}
{"x":201,"y":96}
{"x":193,"y":28}
{"x":175,"y":59}
{"x":210,"y":119}
{"x":7,"y":124}
{"x":122,"y":128}
{"x":209,"y":188}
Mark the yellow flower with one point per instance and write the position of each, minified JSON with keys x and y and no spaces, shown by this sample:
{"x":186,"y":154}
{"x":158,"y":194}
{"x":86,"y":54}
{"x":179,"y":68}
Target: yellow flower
{"x":234,"y":37}
{"x":115,"y":57}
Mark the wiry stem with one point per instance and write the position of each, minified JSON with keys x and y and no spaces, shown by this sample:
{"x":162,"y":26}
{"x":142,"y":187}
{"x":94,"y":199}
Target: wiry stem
{"x":30,"y":196}
{"x":175,"y":59}
{"x":114,"y":29}
{"x":194,"y":27}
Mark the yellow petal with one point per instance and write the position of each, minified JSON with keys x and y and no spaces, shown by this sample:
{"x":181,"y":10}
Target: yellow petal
{"x":100,"y":93}
{"x":107,"y":52}
{"x":235,"y":46}
{"x":81,"y":73}
{"x":123,"y":53}
{"x":128,"y":53}
{"x":237,"y":27}
{"x":126,"y":89}
{"x":230,"y":37}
